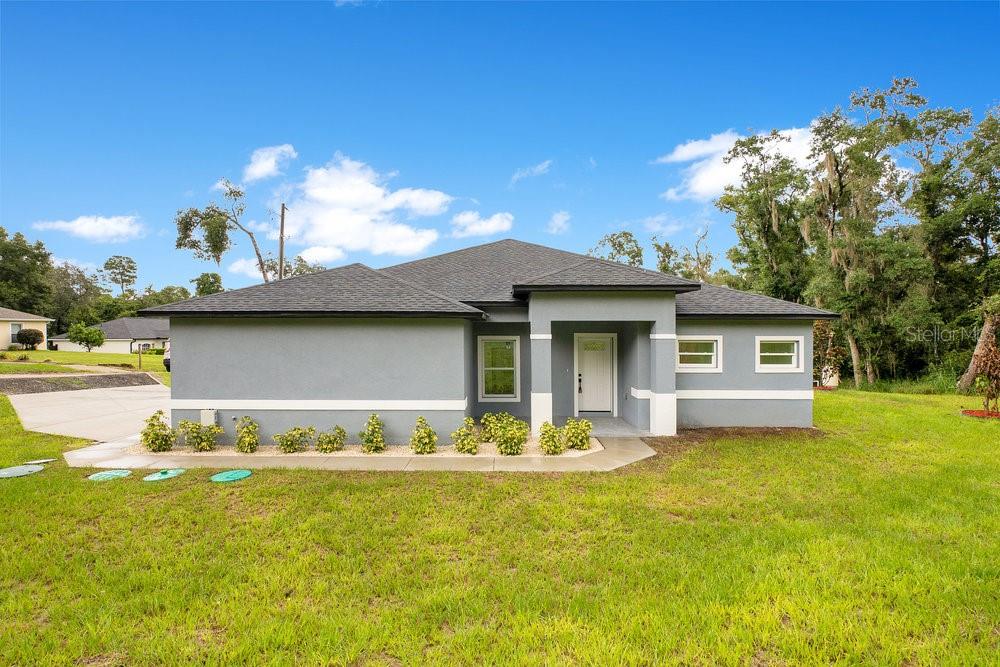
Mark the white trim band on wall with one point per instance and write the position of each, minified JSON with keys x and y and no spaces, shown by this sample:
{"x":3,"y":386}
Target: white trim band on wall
{"x":276,"y":404}
{"x":541,"y":336}
{"x":643,"y":394}
{"x":747,"y":394}
{"x":660,"y":336}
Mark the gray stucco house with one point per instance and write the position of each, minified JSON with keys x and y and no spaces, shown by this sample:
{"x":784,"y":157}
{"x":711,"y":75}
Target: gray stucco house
{"x":506,"y":326}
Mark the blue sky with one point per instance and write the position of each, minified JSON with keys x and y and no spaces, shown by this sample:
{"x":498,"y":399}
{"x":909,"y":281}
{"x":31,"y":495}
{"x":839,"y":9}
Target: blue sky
{"x":420,"y":128}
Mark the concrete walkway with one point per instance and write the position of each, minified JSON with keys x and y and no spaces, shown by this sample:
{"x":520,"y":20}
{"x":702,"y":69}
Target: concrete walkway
{"x":108,"y":414}
{"x":617,"y":452}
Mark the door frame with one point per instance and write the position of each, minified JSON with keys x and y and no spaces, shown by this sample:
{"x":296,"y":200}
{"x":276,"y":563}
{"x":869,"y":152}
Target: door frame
{"x":614,"y":369}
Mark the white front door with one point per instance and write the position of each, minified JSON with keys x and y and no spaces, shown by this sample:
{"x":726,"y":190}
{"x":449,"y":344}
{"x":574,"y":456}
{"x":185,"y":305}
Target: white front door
{"x":594,"y":373}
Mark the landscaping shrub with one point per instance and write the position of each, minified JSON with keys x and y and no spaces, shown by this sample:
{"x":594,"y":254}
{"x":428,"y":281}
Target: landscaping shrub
{"x":13,"y":348}
{"x":490,"y":422}
{"x":373,"y":435}
{"x":30,"y":338}
{"x":576,"y":433}
{"x":551,"y":440}
{"x":4,"y":355}
{"x":295,"y":439}
{"x":424,"y":439}
{"x":86,"y":336}
{"x":510,"y":434}
{"x":332,"y":440}
{"x":247,"y":435}
{"x":466,"y":437}
{"x":200,"y":438}
{"x":23,"y":357}
{"x":157,"y":436}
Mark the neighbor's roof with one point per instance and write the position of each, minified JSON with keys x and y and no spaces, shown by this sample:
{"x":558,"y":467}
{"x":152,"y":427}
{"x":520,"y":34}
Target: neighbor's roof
{"x":11,"y":314}
{"x":492,"y":272}
{"x":131,"y":328}
{"x":715,"y":301}
{"x":354,"y":289}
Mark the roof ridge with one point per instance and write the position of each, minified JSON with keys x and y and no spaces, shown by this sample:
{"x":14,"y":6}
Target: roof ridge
{"x":421,"y":289}
{"x":443,"y":254}
{"x":765,"y":296}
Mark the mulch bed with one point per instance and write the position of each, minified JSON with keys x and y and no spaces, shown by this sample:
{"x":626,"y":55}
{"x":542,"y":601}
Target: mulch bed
{"x":824,"y":388}
{"x":30,"y":385}
{"x":981,"y":414}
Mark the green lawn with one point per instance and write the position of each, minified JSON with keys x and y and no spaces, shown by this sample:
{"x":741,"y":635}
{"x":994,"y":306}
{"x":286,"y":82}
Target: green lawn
{"x":24,"y":367}
{"x":150,"y":362}
{"x":877,"y":543}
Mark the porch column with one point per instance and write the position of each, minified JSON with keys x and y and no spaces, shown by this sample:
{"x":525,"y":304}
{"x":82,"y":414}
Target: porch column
{"x":541,"y":375}
{"x":663,"y":387}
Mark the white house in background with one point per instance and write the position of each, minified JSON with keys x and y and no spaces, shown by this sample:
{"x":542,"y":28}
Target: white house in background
{"x":12,"y":321}
{"x":125,"y":335}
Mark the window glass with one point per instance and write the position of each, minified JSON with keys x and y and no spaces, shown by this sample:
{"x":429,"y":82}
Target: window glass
{"x":696,"y":352}
{"x":778,"y":353}
{"x":499,"y":367}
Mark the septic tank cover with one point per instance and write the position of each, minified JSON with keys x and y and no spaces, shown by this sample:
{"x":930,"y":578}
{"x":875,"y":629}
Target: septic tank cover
{"x":231,"y":476}
{"x":163,"y":474}
{"x":20,"y":471}
{"x":106,"y":475}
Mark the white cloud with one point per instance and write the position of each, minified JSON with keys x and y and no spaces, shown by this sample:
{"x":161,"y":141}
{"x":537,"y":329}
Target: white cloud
{"x":322,"y":254}
{"x":347,"y":206}
{"x":83,"y":266}
{"x":529,"y":172}
{"x":592,"y":162}
{"x":558,"y":223}
{"x":245,"y":266}
{"x":708,"y":175}
{"x":98,"y":228}
{"x":469,"y":223}
{"x":268,"y":161}
{"x":661,"y":224}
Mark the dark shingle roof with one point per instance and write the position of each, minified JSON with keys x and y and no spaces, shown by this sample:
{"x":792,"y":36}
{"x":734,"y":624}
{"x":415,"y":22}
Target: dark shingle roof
{"x":131,"y":328}
{"x":354,"y":289}
{"x":11,"y":314}
{"x":714,"y":301}
{"x":488,"y":273}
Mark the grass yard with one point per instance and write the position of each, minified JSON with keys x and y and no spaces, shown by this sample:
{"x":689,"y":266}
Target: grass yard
{"x":25,"y":367}
{"x":878,"y":542}
{"x":150,"y":362}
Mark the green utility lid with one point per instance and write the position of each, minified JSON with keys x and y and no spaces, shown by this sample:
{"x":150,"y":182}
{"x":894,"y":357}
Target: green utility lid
{"x":20,"y":471}
{"x":231,"y":476}
{"x":163,"y":474}
{"x":106,"y":475}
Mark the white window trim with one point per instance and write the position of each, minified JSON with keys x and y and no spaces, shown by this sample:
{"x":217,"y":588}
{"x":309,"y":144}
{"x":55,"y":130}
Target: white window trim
{"x":700,"y":368}
{"x":799,"y":367}
{"x":19,"y":325}
{"x":483,"y":398}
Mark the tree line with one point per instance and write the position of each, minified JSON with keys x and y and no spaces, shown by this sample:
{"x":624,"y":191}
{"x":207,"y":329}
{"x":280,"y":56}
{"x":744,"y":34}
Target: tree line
{"x":894,"y":224}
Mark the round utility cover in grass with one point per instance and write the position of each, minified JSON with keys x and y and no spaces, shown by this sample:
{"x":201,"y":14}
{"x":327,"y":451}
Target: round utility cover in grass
{"x":231,"y":476}
{"x":38,"y":461}
{"x":106,"y":475}
{"x":20,"y":471}
{"x":163,"y":474}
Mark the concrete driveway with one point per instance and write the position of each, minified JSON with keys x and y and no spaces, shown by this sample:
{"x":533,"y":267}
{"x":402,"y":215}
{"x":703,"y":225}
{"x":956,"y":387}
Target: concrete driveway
{"x":95,"y":414}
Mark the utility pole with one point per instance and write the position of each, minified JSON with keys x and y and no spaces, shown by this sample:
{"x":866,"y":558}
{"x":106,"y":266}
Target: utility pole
{"x":281,"y":245}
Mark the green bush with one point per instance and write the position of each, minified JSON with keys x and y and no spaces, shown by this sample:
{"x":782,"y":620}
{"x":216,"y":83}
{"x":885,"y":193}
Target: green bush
{"x":576,"y":433}
{"x":23,"y":357}
{"x":510,"y":435}
{"x":373,"y":435}
{"x":247,"y":435}
{"x":157,"y":436}
{"x":466,"y":437}
{"x":551,"y":440}
{"x":4,"y":355}
{"x":490,"y":423}
{"x":199,"y":437}
{"x":424,"y":439}
{"x":332,"y":440}
{"x":13,"y":348}
{"x":295,"y":439}
{"x":30,"y":338}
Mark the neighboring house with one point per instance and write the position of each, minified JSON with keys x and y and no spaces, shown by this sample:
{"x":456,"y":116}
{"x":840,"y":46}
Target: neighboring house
{"x":124,"y":335}
{"x":507,"y":326}
{"x":12,"y":321}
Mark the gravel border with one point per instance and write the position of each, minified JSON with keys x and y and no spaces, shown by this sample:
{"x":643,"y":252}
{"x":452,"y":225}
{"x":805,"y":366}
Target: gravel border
{"x":24,"y":384}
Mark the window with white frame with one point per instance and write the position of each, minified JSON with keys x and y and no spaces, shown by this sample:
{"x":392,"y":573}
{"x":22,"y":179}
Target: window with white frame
{"x":499,"y":368}
{"x":699,"y":354}
{"x":14,"y":328}
{"x":779,"y":354}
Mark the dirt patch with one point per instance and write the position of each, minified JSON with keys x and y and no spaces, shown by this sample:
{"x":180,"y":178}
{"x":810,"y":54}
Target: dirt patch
{"x":41,"y":385}
{"x":687,"y":438}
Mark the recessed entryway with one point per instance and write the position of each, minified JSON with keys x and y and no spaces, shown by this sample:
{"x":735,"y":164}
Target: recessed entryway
{"x":594,"y":373}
